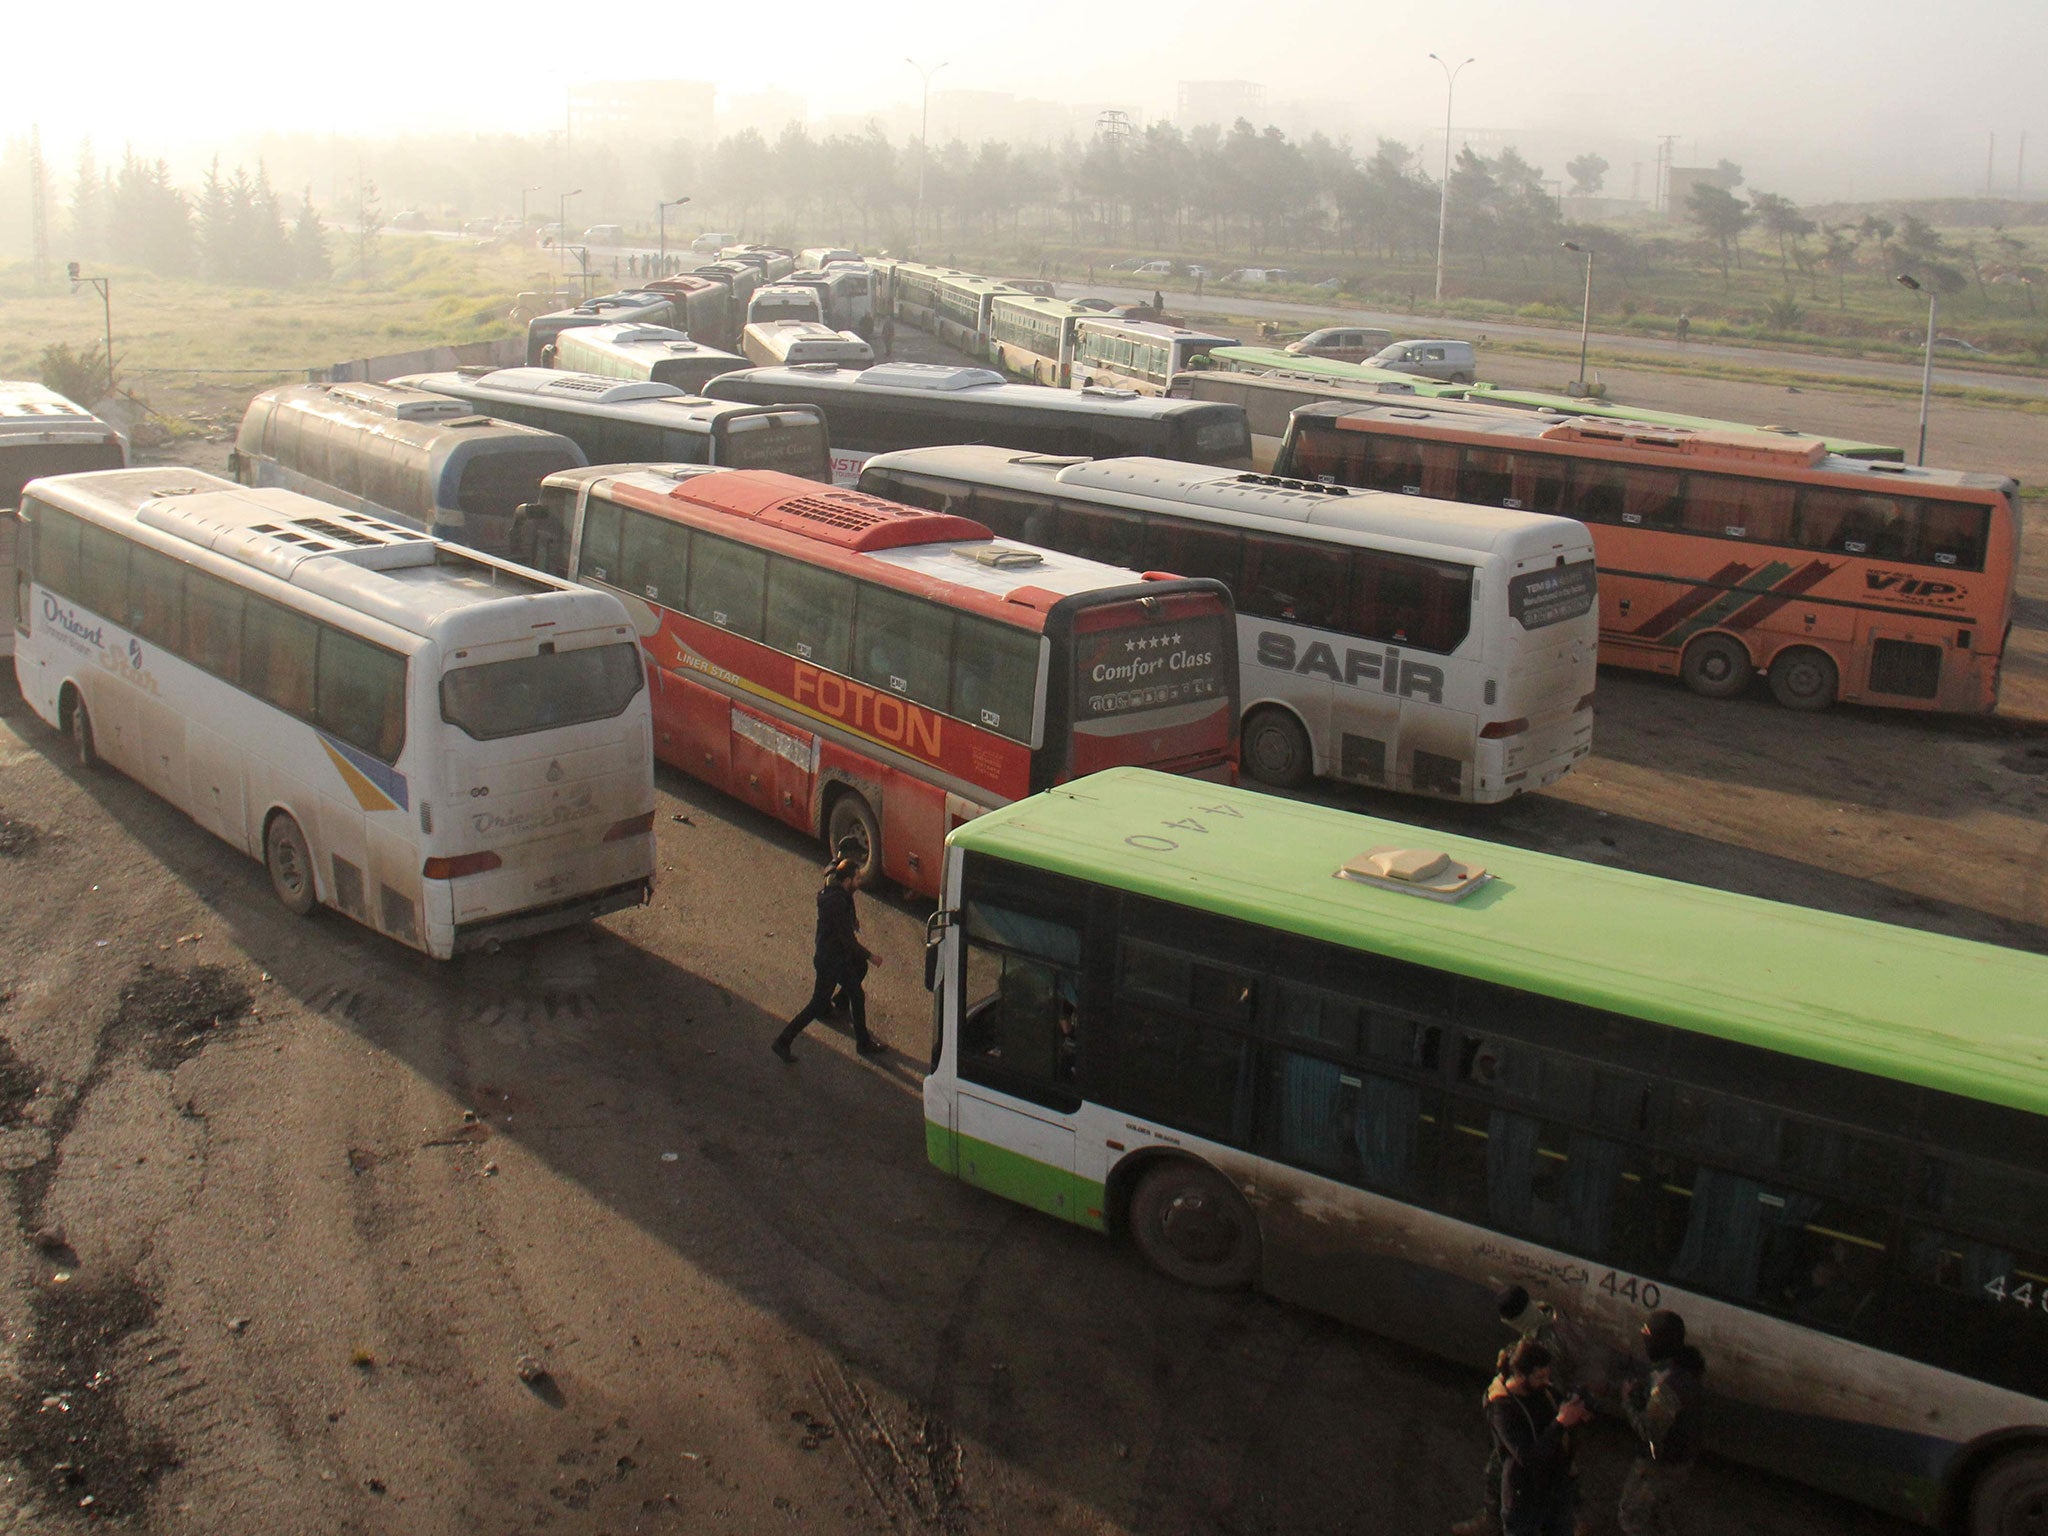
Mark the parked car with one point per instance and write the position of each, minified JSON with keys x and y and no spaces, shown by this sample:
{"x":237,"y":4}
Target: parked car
{"x":1343,"y":343}
{"x":710,"y":244}
{"x":1129,"y":264}
{"x":604,"y":234}
{"x":486,"y":228}
{"x":1448,"y":362}
{"x":1037,"y":285}
{"x":1956,"y":344}
{"x":411,"y":218}
{"x":1100,"y":306}
{"x":1155,"y":269}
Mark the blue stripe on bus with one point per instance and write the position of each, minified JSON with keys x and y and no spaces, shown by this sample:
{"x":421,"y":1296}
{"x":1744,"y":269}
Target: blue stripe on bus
{"x":381,"y":776}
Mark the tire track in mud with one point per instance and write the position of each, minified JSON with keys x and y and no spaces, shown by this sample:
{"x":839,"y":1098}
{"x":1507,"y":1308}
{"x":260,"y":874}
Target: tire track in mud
{"x":72,"y":1422}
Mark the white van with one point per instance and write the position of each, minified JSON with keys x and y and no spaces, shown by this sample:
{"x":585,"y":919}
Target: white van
{"x":711,"y":244}
{"x":785,"y":301}
{"x":816,"y":258}
{"x":604,"y":234}
{"x":1448,"y":362}
{"x":786,"y":343}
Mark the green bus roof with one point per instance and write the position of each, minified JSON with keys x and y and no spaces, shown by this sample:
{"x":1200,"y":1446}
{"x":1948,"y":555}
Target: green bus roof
{"x":1900,"y":1003}
{"x":1268,"y":359}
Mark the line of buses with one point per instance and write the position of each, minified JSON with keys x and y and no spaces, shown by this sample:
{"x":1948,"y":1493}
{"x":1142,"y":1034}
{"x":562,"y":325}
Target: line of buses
{"x":420,"y":657}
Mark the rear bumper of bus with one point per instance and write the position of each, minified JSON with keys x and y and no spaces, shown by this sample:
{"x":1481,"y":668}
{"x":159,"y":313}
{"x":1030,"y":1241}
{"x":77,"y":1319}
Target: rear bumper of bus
{"x":492,"y":932}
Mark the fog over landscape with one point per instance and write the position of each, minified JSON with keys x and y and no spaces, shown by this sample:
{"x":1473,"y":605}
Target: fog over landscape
{"x":1822,"y":100}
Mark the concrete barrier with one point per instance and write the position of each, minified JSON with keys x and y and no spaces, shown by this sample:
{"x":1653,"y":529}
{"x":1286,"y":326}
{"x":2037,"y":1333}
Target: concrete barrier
{"x":506,"y":352}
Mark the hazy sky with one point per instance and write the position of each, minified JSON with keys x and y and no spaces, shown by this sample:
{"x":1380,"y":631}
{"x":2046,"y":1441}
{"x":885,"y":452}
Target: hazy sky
{"x":1818,"y":98}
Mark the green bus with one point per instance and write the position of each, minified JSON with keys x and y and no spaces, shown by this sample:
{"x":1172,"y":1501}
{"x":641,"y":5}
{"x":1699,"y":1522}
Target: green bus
{"x":1382,"y":1072}
{"x":1273,"y":360}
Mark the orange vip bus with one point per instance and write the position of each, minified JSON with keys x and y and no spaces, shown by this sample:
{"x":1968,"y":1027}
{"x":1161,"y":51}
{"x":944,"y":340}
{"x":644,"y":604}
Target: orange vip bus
{"x":1727,"y":554}
{"x":859,"y":668}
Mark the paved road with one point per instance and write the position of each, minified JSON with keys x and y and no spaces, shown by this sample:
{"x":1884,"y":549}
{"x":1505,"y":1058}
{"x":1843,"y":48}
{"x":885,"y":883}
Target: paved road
{"x":1298,"y":316}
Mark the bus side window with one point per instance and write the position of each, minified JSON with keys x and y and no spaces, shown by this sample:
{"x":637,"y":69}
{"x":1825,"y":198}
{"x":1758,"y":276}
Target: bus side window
{"x":1297,"y":580}
{"x":277,"y":655}
{"x":903,"y":646}
{"x":213,"y":625}
{"x":1951,"y":533}
{"x":1734,"y":507}
{"x":1009,"y":514}
{"x":55,"y":550}
{"x":810,"y":612}
{"x":156,"y":598}
{"x":1096,"y":533}
{"x":654,"y":559}
{"x":728,"y":584}
{"x":598,"y":557}
{"x":1193,"y":549}
{"x":1020,"y":1026}
{"x":103,"y":571}
{"x":1596,"y":495}
{"x":1487,"y":478}
{"x":1539,"y":480}
{"x":1650,"y":497}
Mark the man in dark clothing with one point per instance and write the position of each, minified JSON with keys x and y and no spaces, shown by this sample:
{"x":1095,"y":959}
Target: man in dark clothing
{"x":838,"y":959}
{"x":1533,"y":1430}
{"x":888,"y":335}
{"x":1665,"y":1409}
{"x":1530,"y":1319}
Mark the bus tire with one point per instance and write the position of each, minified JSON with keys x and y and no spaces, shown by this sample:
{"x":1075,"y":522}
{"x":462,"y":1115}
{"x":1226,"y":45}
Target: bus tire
{"x":290,"y":863}
{"x":1717,"y":667}
{"x":1276,"y":749}
{"x":1804,"y":679}
{"x":2010,"y":1497}
{"x":1192,"y":1225}
{"x":851,"y":816}
{"x":78,"y":721}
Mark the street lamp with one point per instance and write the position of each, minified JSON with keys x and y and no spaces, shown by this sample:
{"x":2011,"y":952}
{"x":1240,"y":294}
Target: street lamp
{"x":924,"y":119}
{"x":661,"y":216}
{"x":527,"y":235}
{"x":1443,"y":199}
{"x":107,"y":307}
{"x":1579,"y":386}
{"x":562,"y":223}
{"x":1906,"y":280}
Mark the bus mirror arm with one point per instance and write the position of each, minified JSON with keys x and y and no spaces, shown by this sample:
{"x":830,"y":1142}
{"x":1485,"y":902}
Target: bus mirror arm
{"x":935,"y":928}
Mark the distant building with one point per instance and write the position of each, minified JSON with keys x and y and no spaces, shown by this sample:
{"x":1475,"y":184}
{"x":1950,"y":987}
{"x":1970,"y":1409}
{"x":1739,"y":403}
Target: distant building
{"x":766,"y":112}
{"x":1219,"y":101}
{"x":1680,"y":180}
{"x":646,"y":111}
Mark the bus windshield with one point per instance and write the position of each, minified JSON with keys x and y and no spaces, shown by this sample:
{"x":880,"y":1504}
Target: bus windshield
{"x":23,"y":462}
{"x":525,"y":694}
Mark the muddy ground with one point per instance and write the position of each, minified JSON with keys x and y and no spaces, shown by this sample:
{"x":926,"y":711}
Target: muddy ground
{"x":292,"y":1206}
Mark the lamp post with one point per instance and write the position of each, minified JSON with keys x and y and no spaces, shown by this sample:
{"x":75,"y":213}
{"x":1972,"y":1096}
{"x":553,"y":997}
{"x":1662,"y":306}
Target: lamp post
{"x":562,"y":223}
{"x":105,"y":288}
{"x":661,"y":216}
{"x":1907,"y":280}
{"x":924,"y":120}
{"x":1579,"y":385}
{"x":1443,"y":200}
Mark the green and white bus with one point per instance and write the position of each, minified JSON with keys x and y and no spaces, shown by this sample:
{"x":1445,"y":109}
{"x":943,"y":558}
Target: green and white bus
{"x":1382,"y":1072}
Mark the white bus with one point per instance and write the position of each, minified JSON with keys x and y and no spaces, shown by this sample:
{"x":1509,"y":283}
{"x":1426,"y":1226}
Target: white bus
{"x":786,"y":343}
{"x":617,"y":423}
{"x":1033,"y":336}
{"x":1136,"y":354}
{"x":42,"y":433}
{"x":1403,"y":646}
{"x":920,"y":405}
{"x":445,"y":747}
{"x":643,"y":354}
{"x":543,"y":332}
{"x":421,"y":459}
{"x":785,"y":301}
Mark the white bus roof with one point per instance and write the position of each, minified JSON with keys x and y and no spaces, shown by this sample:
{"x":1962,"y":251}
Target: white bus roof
{"x":416,"y":584}
{"x":996,"y":566}
{"x":1242,"y":498}
{"x":1153,"y":330}
{"x":911,"y":380}
{"x":634,"y":399}
{"x":631,"y":334}
{"x":28,"y":409}
{"x":408,"y":413}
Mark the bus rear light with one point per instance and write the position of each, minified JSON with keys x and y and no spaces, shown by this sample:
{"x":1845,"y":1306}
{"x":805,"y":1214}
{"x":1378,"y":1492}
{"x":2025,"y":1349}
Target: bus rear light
{"x":462,"y":864}
{"x":1496,"y":729}
{"x":632,"y":826}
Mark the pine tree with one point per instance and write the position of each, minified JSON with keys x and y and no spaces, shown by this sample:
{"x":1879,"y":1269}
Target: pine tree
{"x":270,"y":245}
{"x":88,"y":208}
{"x":311,"y":262}
{"x":216,"y":227}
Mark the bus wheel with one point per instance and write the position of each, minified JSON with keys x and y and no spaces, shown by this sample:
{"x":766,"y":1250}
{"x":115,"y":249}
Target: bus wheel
{"x":851,"y":818}
{"x":1717,"y":667}
{"x":1276,"y":749}
{"x":2011,"y":1498}
{"x":1803,"y":678}
{"x":290,"y":863}
{"x":82,"y":740}
{"x":1190,"y":1224}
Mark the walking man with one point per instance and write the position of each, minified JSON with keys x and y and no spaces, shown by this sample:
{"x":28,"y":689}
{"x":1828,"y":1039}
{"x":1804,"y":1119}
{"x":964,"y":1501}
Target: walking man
{"x":1533,"y":1430}
{"x":1664,"y":1409}
{"x":838,"y":960}
{"x":1684,"y":326}
{"x":889,"y":334}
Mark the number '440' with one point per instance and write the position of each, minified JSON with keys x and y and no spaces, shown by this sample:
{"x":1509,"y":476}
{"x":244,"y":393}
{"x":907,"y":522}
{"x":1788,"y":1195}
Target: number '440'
{"x":2024,"y":1293}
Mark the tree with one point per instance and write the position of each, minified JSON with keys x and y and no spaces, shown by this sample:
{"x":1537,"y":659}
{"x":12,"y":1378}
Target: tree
{"x":88,"y":208}
{"x":1729,"y":172}
{"x":311,"y":262}
{"x":1588,"y":174}
{"x":1721,"y":217}
{"x":149,"y":221}
{"x":1780,"y":218}
{"x":367,"y":210}
{"x":1838,"y":255}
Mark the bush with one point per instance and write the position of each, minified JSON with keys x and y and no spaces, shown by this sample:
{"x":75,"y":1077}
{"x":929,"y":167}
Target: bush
{"x":77,"y":376}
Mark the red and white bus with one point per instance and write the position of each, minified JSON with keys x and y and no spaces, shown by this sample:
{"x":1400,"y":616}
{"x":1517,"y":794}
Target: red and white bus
{"x":1727,"y":554}
{"x":856,"y":667}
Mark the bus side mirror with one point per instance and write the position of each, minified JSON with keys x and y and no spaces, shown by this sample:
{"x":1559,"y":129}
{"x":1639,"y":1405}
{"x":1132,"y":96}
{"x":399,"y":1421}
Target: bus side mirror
{"x":235,"y":464}
{"x":931,"y":963}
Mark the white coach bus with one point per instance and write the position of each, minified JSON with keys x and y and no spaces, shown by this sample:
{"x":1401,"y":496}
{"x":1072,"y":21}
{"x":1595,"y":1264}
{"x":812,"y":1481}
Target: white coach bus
{"x":1406,"y":645}
{"x":42,"y":433}
{"x":445,"y":747}
{"x":643,"y":354}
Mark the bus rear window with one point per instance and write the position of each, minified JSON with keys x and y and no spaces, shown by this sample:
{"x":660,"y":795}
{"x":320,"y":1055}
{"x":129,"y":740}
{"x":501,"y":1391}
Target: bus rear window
{"x":541,"y":693}
{"x":1538,"y":599}
{"x":494,"y":484}
{"x":22,"y":463}
{"x":1135,"y":667}
{"x":1225,"y":438}
{"x":791,"y":442}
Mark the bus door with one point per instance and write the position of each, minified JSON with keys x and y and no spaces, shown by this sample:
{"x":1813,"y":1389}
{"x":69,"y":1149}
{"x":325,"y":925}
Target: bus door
{"x":1019,"y":1055}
